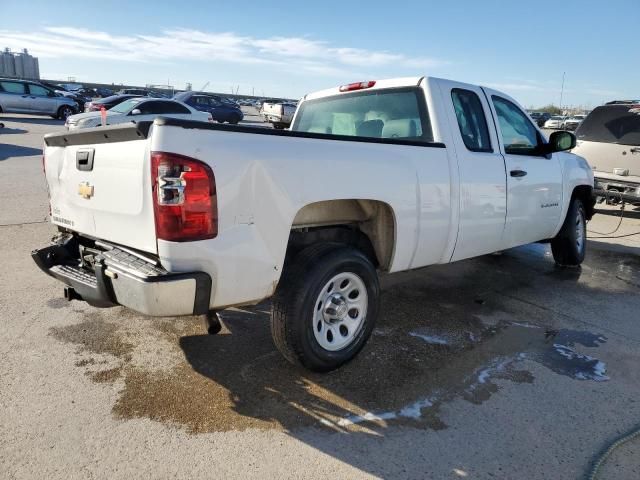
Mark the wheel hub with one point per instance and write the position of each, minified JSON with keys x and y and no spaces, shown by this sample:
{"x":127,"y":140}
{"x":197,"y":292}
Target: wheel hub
{"x":335,"y":308}
{"x":339,"y":311}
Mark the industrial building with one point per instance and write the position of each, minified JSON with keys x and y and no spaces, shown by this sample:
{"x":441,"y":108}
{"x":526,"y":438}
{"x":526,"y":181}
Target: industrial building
{"x":19,"y":64}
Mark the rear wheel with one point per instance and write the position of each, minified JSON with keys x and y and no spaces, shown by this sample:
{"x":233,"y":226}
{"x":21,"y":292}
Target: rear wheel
{"x":65,"y":112}
{"x":325,"y":307}
{"x":569,"y":246}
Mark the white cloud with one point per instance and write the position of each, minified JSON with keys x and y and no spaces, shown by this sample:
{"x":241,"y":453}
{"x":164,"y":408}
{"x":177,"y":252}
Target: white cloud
{"x":309,"y":55}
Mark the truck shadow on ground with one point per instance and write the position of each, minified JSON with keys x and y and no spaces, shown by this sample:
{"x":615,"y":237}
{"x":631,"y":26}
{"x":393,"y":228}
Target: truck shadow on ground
{"x":444,"y":333}
{"x":32,"y":120}
{"x":9,"y":151}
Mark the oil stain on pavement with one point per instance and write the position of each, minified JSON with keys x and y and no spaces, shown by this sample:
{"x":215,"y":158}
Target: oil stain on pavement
{"x":440,"y":337}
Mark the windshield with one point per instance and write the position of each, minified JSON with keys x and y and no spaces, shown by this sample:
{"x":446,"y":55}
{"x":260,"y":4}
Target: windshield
{"x":611,"y":124}
{"x":398,"y":113}
{"x":126,"y":106}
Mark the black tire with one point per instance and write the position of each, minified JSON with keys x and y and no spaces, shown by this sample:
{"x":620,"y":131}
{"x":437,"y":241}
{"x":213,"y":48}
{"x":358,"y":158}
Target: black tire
{"x":64,"y":112}
{"x":569,"y":247}
{"x":293,"y":310}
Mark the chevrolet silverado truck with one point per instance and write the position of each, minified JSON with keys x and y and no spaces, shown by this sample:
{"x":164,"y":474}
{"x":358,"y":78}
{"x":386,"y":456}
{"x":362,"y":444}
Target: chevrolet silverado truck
{"x":178,"y":217}
{"x":278,"y":114}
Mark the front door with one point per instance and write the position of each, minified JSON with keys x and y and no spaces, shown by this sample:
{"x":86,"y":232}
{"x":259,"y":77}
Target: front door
{"x":534,"y":179}
{"x":42,"y":100}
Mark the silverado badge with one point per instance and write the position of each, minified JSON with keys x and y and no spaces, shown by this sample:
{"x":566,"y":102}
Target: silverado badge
{"x":85,"y":190}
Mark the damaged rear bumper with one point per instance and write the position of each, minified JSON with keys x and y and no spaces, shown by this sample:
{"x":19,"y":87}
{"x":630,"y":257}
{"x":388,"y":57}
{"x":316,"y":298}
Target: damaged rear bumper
{"x":106,"y":275}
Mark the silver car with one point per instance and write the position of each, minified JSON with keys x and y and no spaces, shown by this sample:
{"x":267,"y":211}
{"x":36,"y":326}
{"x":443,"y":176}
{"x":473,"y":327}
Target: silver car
{"x":23,"y":96}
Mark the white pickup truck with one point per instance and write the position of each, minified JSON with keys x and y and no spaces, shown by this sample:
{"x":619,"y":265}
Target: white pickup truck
{"x":279,"y":114}
{"x":179,"y":217}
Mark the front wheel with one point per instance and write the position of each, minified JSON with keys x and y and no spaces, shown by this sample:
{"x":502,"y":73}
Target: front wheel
{"x":64,"y":112}
{"x":325,"y":307}
{"x":570,"y":244}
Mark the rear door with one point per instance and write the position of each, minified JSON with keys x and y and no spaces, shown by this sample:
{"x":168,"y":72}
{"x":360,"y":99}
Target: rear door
{"x":14,"y":96}
{"x":481,"y":167}
{"x":534,"y":180}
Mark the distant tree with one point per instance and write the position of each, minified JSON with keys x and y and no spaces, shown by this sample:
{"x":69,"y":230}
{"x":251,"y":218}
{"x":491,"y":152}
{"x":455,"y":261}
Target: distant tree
{"x":552,"y":109}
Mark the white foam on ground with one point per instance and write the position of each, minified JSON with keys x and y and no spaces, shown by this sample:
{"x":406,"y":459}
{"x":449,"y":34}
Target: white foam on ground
{"x":413,"y":410}
{"x":432,"y":339}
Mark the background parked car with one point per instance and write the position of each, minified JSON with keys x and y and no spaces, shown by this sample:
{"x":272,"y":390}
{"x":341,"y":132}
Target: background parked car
{"x":220,"y":110}
{"x":102,"y":92}
{"x":572,"y":122}
{"x":76,"y":95}
{"x":279,"y":114}
{"x":108,"y":102}
{"x":138,"y":110}
{"x":22,"y":96}
{"x":609,"y":139}
{"x":540,"y":117}
{"x":556,"y":122}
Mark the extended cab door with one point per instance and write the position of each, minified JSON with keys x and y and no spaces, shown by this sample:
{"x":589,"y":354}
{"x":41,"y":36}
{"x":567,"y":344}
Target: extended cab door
{"x":534,"y":180}
{"x":481,"y":167}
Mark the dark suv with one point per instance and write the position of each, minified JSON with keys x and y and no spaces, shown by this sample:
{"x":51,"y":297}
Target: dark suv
{"x":221,"y":109}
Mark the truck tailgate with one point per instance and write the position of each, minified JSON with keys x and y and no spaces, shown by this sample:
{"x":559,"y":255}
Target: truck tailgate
{"x":102,"y":189}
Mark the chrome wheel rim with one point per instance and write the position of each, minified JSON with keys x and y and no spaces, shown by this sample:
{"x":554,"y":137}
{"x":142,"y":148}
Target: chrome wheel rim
{"x":580,"y":231}
{"x":66,"y":113}
{"x":339,"y":311}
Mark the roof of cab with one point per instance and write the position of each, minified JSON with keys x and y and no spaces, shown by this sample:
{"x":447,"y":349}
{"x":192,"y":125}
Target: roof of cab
{"x":384,"y":83}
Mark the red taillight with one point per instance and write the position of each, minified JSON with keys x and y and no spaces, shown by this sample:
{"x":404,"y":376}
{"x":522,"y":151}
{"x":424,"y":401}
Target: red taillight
{"x":184,"y":198}
{"x":357,"y":86}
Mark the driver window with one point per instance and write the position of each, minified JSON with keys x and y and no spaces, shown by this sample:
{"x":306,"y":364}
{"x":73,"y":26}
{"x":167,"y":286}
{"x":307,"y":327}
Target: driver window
{"x":519,"y":136}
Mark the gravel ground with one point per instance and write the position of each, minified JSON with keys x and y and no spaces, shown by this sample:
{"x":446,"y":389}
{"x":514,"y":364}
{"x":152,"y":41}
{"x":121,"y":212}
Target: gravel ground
{"x":498,"y":367}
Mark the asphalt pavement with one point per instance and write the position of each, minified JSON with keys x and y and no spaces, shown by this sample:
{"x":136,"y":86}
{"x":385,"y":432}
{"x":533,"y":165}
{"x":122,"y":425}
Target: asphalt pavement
{"x":504,"y":366}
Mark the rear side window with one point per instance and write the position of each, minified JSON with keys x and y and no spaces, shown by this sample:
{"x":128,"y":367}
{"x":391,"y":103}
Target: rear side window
{"x":471,"y":120}
{"x":12,"y":87}
{"x":398,"y":113}
{"x":612,"y":124}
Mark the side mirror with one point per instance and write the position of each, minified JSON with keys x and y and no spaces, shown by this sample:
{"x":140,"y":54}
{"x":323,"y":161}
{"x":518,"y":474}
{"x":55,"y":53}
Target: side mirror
{"x":136,"y":111}
{"x":561,"y":141}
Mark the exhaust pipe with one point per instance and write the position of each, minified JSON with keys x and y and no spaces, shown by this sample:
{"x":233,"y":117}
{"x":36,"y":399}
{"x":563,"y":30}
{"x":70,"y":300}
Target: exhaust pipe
{"x":71,"y":294}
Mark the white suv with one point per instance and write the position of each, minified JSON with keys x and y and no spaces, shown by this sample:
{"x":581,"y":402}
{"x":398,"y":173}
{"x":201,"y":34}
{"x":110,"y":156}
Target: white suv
{"x":609,"y":139}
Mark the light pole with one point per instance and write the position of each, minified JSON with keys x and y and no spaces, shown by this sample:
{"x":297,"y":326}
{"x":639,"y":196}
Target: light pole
{"x":561,"y":92}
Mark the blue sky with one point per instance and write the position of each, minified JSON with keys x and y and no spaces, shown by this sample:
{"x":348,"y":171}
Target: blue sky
{"x":289,"y":48}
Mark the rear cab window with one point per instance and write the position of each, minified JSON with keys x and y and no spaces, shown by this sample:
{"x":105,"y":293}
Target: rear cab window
{"x":393,"y":113}
{"x":612,"y":124}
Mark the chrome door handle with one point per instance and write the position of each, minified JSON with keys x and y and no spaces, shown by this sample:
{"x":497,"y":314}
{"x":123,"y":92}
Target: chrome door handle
{"x":634,"y":150}
{"x":518,"y":173}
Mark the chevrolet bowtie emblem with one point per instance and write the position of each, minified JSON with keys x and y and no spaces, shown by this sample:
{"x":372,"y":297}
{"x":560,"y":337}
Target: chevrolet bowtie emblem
{"x":85,"y":190}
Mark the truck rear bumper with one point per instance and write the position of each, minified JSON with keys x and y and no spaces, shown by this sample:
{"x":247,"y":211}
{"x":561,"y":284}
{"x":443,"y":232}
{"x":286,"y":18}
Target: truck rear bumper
{"x":118,"y":277}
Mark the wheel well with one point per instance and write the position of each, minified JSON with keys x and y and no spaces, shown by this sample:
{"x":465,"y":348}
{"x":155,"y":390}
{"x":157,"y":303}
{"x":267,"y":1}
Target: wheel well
{"x":585,"y":194}
{"x":368,"y":225}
